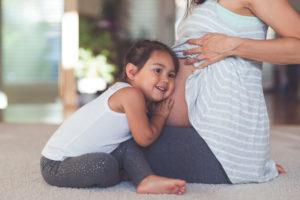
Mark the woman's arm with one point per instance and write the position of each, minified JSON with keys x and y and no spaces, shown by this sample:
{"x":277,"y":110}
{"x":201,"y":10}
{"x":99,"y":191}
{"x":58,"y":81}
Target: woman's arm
{"x":144,"y":131}
{"x":279,"y":15}
{"x":285,"y":50}
{"x":276,"y":51}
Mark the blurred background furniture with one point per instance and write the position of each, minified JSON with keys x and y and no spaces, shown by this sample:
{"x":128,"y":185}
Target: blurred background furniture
{"x":64,"y":53}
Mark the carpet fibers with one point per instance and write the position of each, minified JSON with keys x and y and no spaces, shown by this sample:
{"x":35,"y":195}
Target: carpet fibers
{"x":20,"y":147}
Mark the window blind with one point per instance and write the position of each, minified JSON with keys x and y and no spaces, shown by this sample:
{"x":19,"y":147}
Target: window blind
{"x":144,"y":18}
{"x":31,"y":40}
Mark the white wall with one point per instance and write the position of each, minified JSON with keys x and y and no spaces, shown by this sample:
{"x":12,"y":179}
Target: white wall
{"x":143,"y":18}
{"x":152,"y":19}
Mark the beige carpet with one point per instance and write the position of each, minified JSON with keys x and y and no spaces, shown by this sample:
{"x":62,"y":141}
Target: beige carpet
{"x":20,"y":147}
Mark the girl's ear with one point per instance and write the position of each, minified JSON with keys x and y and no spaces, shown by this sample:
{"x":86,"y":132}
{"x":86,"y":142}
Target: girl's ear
{"x":131,"y":71}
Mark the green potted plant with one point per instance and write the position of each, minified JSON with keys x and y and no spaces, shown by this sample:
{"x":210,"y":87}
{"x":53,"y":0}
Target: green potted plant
{"x":93,"y":72}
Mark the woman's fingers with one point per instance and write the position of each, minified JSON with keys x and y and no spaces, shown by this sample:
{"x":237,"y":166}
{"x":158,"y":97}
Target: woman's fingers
{"x":199,"y":58}
{"x":196,"y":41}
{"x":197,"y":50}
{"x":190,"y":61}
{"x":206,"y":59}
{"x":202,"y":57}
{"x":200,"y":41}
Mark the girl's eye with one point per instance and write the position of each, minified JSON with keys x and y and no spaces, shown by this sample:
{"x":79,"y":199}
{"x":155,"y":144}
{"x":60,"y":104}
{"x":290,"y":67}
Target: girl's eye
{"x":172,"y":75}
{"x":157,"y":70}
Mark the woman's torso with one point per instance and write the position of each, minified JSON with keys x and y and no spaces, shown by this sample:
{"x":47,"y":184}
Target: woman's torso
{"x":225,"y":100}
{"x":93,"y":128}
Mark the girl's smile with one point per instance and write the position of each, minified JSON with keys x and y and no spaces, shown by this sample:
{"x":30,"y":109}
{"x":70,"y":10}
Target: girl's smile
{"x":157,"y":77}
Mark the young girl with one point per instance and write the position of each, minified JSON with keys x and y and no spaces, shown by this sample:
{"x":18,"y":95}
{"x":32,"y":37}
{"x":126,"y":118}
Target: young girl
{"x":94,"y":145}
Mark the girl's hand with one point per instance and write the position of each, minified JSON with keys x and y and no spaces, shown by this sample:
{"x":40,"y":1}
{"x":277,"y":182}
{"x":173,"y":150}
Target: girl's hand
{"x":164,"y":107}
{"x":280,"y":169}
{"x":212,"y":48}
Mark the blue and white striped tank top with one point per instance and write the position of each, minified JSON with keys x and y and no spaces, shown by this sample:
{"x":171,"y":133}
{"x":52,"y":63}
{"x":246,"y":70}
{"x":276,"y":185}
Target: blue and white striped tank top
{"x":225,"y":100}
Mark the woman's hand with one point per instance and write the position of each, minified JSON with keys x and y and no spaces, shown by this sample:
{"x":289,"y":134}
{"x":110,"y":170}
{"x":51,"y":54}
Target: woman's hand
{"x":212,"y":48}
{"x":280,"y":169}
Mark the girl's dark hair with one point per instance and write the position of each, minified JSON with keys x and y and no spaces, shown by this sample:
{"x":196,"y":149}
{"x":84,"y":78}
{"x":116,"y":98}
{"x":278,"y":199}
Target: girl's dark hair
{"x":191,"y":3}
{"x":140,"y":52}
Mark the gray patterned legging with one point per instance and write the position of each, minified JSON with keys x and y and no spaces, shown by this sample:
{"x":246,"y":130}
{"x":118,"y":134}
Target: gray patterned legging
{"x":178,"y":153}
{"x":98,"y":169}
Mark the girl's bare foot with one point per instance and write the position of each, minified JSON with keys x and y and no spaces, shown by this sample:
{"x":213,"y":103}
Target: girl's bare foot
{"x":280,"y":169}
{"x":153,"y":184}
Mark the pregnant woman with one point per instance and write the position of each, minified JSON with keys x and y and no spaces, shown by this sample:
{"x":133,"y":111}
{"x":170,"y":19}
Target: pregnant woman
{"x":224,"y":102}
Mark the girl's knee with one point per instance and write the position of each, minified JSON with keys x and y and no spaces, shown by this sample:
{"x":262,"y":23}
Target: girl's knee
{"x":105,"y":170}
{"x":89,"y":170}
{"x":104,"y":161}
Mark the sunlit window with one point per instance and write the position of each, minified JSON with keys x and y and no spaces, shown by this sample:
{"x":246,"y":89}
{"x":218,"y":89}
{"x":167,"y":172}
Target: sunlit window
{"x":31,"y":53}
{"x":31,"y":40}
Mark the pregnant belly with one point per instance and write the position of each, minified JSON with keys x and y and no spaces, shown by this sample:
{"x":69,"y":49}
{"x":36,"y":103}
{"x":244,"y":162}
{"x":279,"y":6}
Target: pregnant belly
{"x":179,"y":113}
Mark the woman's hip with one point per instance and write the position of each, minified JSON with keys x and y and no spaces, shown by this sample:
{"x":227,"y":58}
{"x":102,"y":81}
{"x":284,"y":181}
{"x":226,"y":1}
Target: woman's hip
{"x":182,"y":153}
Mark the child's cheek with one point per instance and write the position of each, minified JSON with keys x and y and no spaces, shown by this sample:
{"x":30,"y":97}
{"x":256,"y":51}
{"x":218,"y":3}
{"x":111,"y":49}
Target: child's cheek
{"x":172,"y":87}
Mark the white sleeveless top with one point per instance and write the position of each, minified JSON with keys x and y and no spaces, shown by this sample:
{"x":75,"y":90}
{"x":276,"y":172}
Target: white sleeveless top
{"x":225,"y":101}
{"x":93,"y":128}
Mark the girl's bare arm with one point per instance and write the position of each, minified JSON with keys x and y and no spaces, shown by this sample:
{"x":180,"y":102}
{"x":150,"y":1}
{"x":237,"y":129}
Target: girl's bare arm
{"x":144,"y":132}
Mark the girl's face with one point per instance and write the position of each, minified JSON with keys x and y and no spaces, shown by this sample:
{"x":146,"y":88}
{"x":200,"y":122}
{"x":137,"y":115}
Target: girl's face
{"x":156,"y":79}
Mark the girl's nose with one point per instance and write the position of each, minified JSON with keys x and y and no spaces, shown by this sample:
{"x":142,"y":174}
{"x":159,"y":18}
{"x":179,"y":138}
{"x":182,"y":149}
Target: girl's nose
{"x":165,"y":79}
